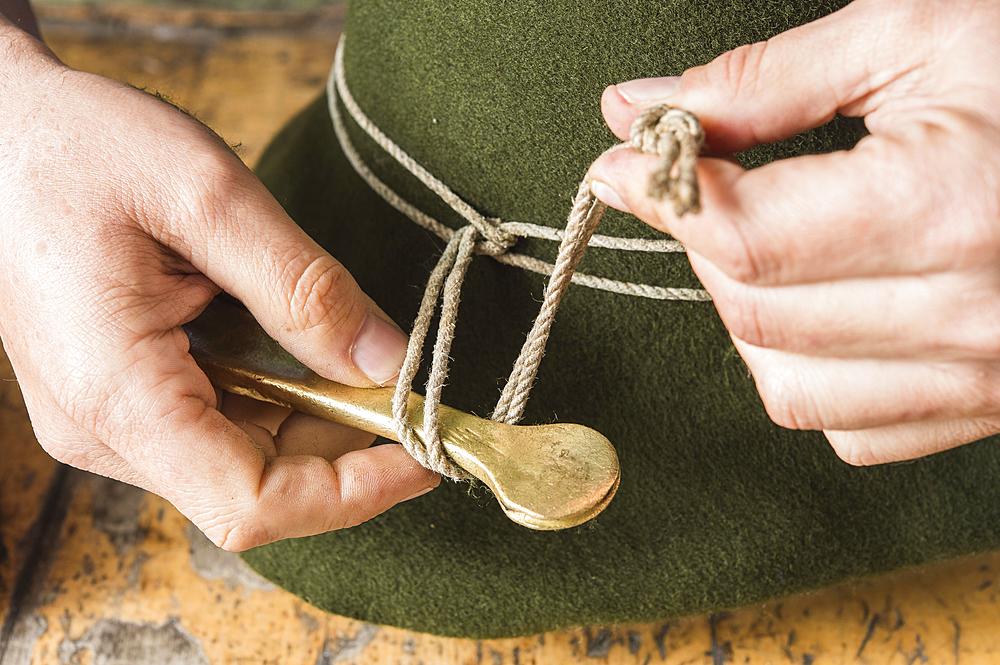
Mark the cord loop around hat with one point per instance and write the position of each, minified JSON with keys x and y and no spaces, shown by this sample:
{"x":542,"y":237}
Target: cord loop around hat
{"x":671,"y":133}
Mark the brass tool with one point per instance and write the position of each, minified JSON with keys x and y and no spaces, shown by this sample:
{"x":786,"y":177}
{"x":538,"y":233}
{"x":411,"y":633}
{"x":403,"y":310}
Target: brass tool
{"x":546,"y":477}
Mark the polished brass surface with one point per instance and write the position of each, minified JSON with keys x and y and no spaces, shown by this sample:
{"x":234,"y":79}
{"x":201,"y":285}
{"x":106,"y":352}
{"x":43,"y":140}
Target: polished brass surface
{"x":545,"y":477}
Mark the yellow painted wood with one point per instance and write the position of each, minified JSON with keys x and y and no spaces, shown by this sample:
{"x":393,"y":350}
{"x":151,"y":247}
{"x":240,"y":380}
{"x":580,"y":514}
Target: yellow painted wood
{"x":25,"y":474}
{"x":131,"y":570}
{"x":125,"y":579}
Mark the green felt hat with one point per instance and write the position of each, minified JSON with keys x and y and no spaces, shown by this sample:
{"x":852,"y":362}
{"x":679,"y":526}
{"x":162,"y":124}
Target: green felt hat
{"x":718,"y":507}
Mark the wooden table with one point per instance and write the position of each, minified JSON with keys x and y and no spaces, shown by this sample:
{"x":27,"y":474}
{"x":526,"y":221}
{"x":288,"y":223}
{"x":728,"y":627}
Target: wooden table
{"x":96,"y":572}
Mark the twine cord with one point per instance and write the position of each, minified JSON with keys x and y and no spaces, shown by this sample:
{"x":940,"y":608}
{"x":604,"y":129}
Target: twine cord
{"x":446,"y":279}
{"x":338,"y":91}
{"x":584,"y":217}
{"x":674,"y":135}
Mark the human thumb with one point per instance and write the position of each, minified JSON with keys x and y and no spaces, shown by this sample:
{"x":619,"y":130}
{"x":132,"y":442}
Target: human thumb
{"x":774,"y":89}
{"x":301,"y":295}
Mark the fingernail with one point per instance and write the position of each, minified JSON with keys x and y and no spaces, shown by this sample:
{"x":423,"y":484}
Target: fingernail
{"x":379,"y":349}
{"x":606,"y":193}
{"x":644,"y":91}
{"x":420,"y":493}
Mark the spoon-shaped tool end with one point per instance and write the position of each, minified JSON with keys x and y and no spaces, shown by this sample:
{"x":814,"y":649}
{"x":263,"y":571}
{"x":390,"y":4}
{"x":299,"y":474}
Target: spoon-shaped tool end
{"x":545,"y":477}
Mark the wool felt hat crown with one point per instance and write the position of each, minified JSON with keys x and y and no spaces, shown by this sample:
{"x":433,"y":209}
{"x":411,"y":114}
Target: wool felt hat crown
{"x":718,"y":507}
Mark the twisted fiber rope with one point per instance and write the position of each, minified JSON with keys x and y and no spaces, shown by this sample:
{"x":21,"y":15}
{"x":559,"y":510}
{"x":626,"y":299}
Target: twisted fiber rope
{"x":672,"y":134}
{"x":584,"y":217}
{"x":447,"y":276}
{"x":337,"y":88}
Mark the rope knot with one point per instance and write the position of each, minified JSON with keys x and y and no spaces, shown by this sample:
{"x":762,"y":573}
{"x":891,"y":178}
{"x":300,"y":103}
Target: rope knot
{"x":676,"y":136}
{"x":493,"y":241}
{"x":673,"y":134}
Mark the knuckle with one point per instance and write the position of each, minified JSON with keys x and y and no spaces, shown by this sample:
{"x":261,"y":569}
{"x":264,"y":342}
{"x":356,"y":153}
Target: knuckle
{"x":320,"y":294}
{"x":240,"y":535}
{"x":75,"y":451}
{"x":985,"y":344}
{"x":175,"y":408}
{"x":738,"y":71}
{"x":852,"y":448}
{"x":981,"y":392}
{"x":743,"y":256}
{"x":744,"y":317}
{"x":158,"y":409}
{"x":975,"y":242}
{"x":912,"y":25}
{"x":237,"y":523}
{"x":906,"y":195}
{"x":974,"y":202}
{"x":213,"y":189}
{"x":352,"y":490}
{"x":975,"y":330}
{"x":161,"y":424}
{"x":86,"y":401}
{"x":955,"y":222}
{"x":60,"y":451}
{"x":342,"y":487}
{"x":787,"y":405}
{"x":238,"y":527}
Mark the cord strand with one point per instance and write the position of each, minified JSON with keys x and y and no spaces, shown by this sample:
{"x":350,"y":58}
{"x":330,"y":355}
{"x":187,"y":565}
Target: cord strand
{"x":674,"y":135}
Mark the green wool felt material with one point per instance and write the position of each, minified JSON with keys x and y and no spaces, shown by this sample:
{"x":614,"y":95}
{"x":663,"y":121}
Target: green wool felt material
{"x":718,"y":507}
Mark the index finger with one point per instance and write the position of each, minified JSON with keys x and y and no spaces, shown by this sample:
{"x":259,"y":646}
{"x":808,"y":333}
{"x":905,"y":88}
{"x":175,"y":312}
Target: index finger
{"x":215,"y":474}
{"x":881,"y":208}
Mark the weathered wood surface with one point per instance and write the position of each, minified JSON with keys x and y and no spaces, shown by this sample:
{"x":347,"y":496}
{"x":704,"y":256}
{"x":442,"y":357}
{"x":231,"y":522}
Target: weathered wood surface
{"x":93,"y":572}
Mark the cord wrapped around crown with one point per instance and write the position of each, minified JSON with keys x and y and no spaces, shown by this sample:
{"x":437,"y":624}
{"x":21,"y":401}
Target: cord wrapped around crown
{"x":672,"y":134}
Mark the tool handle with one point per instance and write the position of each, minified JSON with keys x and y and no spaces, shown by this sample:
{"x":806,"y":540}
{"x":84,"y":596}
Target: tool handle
{"x":544,"y":476}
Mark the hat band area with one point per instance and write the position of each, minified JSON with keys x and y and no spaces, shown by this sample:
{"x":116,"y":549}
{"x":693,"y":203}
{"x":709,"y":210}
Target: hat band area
{"x":338,"y":91}
{"x":670,"y":133}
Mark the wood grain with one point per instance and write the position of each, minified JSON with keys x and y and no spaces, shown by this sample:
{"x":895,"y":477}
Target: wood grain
{"x":95,"y":572}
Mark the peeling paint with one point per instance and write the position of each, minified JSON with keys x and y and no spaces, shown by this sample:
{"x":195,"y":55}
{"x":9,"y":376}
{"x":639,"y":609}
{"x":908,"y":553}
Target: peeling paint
{"x":135,"y":568}
{"x":309,"y":622}
{"x":112,"y":642}
{"x":233,"y":81}
{"x":22,"y":641}
{"x":116,"y":508}
{"x":634,"y":642}
{"x":213,"y":563}
{"x":343,"y":649}
{"x":599,"y":644}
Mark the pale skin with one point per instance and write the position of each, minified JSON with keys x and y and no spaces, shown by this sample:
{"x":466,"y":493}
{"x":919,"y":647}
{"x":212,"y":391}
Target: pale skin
{"x":122,"y":218}
{"x":862,"y":288}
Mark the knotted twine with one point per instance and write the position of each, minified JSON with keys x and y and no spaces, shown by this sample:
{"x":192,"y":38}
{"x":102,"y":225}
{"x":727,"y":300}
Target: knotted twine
{"x":339,"y":94}
{"x":672,"y":134}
